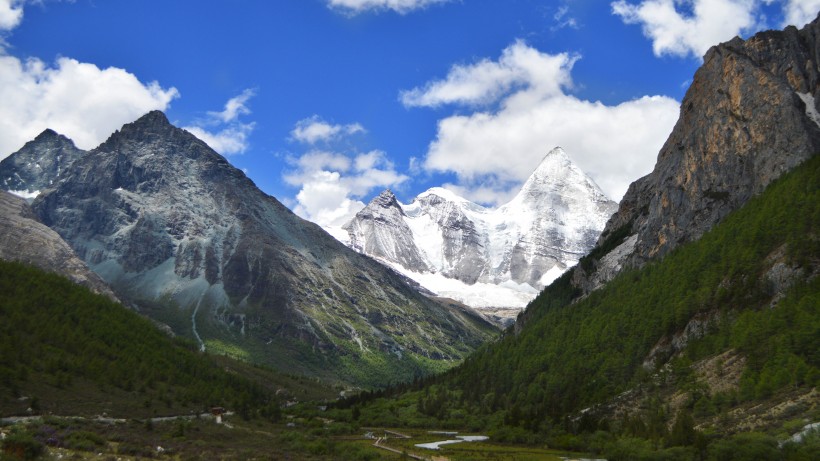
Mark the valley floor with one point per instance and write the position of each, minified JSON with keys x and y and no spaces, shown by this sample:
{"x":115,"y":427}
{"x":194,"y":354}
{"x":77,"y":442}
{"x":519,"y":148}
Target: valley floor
{"x":200,"y":437}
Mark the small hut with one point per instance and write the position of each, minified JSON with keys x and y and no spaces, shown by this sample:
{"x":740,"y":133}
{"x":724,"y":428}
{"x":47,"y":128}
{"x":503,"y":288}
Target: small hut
{"x":218,"y":412}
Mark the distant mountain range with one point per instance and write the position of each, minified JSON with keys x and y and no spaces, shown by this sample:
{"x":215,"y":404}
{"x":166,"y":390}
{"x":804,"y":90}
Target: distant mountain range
{"x":488,"y":257}
{"x":177,"y":231}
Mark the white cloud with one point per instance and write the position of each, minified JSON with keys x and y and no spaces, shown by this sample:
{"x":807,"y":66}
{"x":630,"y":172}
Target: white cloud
{"x":563,"y":19}
{"x":234,"y":107}
{"x":11,"y":14}
{"x":683,"y":33}
{"x":488,"y":81}
{"x":227,"y":141}
{"x":313,"y":129}
{"x":493,"y":151}
{"x":400,"y":6}
{"x":79,"y":100}
{"x":800,"y":12}
{"x":324,"y":199}
{"x":223,"y":131}
{"x":332,"y":183}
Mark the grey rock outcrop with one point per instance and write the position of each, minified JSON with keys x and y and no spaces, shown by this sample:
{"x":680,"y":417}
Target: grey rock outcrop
{"x":25,"y":239}
{"x":39,"y":164}
{"x":750,"y":115}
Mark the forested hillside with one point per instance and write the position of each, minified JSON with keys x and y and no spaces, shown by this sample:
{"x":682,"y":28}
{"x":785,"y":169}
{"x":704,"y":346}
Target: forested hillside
{"x":67,"y":351}
{"x":748,"y":288}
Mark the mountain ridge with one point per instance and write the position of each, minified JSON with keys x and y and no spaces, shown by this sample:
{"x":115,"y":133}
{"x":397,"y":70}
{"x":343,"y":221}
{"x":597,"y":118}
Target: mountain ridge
{"x":179,"y":232}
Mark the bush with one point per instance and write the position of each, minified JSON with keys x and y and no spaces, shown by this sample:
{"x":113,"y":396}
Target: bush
{"x":83,"y":441}
{"x":752,"y":446}
{"x":22,"y":445}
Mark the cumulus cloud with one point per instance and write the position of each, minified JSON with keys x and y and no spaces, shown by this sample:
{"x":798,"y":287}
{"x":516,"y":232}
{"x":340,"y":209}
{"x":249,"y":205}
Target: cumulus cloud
{"x":76,"y":99}
{"x":313,"y":130}
{"x":800,"y":12}
{"x":683,"y":33}
{"x":222,"y":130}
{"x":484,"y":82}
{"x":354,"y":7}
{"x":332,"y":182}
{"x":492,"y":151}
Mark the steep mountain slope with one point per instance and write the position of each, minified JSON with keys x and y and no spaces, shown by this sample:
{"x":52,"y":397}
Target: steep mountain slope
{"x":38,"y":164}
{"x":750,"y":115}
{"x":175,"y":229}
{"x":77,"y":353}
{"x":23,"y":238}
{"x":515,"y":249}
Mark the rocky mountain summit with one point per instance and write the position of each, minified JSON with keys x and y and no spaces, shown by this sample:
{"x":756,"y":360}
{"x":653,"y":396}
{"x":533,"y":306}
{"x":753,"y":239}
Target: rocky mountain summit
{"x":750,"y":115}
{"x":511,"y":251}
{"x":179,"y":232}
{"x":38,"y":164}
{"x":25,"y":239}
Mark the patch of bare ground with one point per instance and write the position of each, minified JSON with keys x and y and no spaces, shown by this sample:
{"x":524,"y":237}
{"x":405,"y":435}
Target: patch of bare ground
{"x":769,"y":414}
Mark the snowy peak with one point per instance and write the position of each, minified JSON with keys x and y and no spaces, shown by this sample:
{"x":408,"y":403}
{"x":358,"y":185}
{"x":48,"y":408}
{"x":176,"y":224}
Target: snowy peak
{"x":388,"y":236}
{"x":517,"y":248}
{"x":557,"y":173}
{"x":386,"y":200}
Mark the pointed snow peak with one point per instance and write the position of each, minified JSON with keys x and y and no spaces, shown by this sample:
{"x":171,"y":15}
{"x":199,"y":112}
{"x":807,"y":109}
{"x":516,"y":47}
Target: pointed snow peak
{"x":556,"y":152}
{"x":556,"y":159}
{"x":557,"y":176}
{"x":385,"y":200}
{"x":555,"y":167}
{"x":444,"y":194}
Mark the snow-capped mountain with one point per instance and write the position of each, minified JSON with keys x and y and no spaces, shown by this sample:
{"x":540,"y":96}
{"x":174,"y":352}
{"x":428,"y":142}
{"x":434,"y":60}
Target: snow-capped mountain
{"x":488,"y":257}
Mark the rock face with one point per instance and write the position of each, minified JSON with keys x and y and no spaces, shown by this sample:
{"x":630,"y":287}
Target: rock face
{"x":38,"y":165}
{"x":750,"y":115}
{"x":525,"y":244}
{"x":23,"y":238}
{"x":178,"y":231}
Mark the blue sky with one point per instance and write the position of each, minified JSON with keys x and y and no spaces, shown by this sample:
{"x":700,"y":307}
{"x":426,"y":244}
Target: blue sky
{"x":324,"y":103}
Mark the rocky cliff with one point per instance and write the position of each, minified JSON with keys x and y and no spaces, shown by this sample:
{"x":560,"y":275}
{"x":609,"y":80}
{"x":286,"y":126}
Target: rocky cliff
{"x":750,"y":115}
{"x":23,"y":238}
{"x":178,"y":231}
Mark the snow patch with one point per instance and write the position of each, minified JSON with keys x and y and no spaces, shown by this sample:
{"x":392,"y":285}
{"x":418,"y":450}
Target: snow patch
{"x":338,"y":233}
{"x":26,"y":194}
{"x":811,"y":109}
{"x":479,"y":295}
